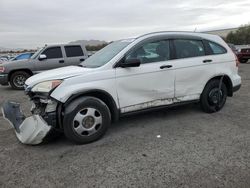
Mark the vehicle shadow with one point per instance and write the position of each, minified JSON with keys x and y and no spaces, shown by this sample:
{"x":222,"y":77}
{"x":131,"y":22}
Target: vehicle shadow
{"x":136,"y":120}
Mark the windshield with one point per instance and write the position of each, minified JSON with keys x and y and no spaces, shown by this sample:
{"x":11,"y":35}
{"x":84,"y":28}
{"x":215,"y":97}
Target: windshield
{"x":103,"y":56}
{"x":36,"y":53}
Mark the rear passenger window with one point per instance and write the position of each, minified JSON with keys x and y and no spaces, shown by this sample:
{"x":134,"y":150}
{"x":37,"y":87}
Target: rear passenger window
{"x":53,"y":53}
{"x":216,"y":49}
{"x":73,"y":51}
{"x":188,"y":48}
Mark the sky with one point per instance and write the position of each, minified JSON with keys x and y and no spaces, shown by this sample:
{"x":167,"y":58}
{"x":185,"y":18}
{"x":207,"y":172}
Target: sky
{"x":33,"y":23}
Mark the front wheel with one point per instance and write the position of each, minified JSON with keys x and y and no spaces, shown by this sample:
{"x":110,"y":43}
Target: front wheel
{"x":214,"y":96}
{"x":17,"y":79}
{"x":86,"y":120}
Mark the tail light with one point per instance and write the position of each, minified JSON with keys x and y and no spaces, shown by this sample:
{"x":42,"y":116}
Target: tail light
{"x":236,"y":60}
{"x":2,"y":69}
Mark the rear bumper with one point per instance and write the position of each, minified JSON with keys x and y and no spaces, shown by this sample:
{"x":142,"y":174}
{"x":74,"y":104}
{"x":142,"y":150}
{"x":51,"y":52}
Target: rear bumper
{"x":31,"y":130}
{"x":4,"y":79}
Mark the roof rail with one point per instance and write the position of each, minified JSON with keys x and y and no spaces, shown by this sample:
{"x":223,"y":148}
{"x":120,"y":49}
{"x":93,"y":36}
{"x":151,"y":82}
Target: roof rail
{"x":156,"y":32}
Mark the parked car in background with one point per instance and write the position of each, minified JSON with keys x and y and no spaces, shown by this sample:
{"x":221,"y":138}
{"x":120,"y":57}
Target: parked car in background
{"x":3,"y":59}
{"x":127,"y":76}
{"x":23,"y":56}
{"x":243,"y":54}
{"x":49,"y":57}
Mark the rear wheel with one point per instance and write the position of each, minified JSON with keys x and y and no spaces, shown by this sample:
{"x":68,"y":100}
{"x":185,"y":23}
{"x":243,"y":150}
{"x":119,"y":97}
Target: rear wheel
{"x":244,"y":60}
{"x":17,"y":79}
{"x":86,"y":120}
{"x":214,"y":96}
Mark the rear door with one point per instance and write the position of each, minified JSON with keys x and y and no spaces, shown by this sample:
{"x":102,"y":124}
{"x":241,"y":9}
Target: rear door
{"x":74,"y":54}
{"x":54,"y":59}
{"x":193,"y":68}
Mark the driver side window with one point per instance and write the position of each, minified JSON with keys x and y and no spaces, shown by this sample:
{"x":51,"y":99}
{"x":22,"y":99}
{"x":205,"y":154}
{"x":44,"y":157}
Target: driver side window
{"x":53,"y":53}
{"x":151,"y":52}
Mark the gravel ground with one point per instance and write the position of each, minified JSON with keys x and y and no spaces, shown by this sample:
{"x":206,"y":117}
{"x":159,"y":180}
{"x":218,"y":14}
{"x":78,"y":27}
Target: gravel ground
{"x":194,"y":149}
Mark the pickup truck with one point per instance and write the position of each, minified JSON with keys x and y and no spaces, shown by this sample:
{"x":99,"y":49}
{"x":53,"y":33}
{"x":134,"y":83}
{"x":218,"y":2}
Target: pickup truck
{"x":49,"y":57}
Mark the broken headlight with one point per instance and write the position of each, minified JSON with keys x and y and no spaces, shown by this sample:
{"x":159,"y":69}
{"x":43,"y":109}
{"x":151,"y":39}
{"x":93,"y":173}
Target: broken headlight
{"x":47,"y":86}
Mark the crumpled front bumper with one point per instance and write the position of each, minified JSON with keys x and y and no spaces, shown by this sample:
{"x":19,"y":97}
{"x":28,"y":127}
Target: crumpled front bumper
{"x":31,"y":130}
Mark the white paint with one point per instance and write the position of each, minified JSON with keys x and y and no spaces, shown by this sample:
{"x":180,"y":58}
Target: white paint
{"x":60,"y":73}
{"x":145,"y":86}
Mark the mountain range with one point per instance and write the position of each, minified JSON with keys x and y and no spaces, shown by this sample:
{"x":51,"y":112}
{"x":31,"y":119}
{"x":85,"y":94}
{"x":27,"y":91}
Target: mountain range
{"x":90,"y":42}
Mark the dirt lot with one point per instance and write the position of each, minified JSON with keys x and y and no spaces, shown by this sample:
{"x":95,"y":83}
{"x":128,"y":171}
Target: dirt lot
{"x":195,"y":150}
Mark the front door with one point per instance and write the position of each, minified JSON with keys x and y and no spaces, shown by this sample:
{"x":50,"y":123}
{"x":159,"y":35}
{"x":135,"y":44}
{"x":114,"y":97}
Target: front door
{"x":54,"y":59}
{"x":149,"y":85}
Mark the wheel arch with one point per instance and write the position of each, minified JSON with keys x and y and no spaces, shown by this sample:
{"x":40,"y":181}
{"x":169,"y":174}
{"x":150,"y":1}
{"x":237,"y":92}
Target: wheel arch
{"x":17,"y":70}
{"x":100,"y":94}
{"x":226,"y":80}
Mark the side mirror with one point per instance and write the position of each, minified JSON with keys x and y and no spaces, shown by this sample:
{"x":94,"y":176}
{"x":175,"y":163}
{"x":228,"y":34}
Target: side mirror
{"x":131,"y":63}
{"x":42,"y":57}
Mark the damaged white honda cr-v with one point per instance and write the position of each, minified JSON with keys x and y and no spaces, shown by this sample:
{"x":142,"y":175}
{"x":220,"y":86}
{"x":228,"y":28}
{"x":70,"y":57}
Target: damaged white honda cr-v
{"x":153,"y":70}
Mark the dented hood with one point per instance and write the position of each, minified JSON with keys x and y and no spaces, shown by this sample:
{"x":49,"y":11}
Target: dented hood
{"x":60,"y":73}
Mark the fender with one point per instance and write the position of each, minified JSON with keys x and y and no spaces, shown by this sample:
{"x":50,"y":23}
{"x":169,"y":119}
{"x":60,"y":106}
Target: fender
{"x":227,"y":81}
{"x":100,"y":94}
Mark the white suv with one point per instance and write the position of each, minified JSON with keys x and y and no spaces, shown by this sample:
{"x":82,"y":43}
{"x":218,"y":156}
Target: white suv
{"x":147,"y":72}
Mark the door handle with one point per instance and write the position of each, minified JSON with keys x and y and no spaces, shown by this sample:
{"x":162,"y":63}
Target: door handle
{"x":82,"y":60}
{"x":165,"y":66}
{"x":61,"y":61}
{"x":207,"y":60}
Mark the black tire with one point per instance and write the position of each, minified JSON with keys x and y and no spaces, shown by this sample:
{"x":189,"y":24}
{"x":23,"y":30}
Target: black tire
{"x":76,"y":107}
{"x":17,"y":79}
{"x":243,"y":60}
{"x":212,"y":99}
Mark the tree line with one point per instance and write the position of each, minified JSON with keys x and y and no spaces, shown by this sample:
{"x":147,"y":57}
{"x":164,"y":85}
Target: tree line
{"x":240,"y":36}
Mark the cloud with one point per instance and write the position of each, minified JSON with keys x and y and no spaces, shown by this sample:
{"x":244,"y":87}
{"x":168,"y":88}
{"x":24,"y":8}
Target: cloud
{"x":32,"y":23}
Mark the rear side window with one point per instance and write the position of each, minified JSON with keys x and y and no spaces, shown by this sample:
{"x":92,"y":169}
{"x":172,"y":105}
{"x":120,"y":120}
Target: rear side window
{"x":73,"y":51}
{"x":53,"y":53}
{"x":216,"y":48}
{"x":188,"y":48}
